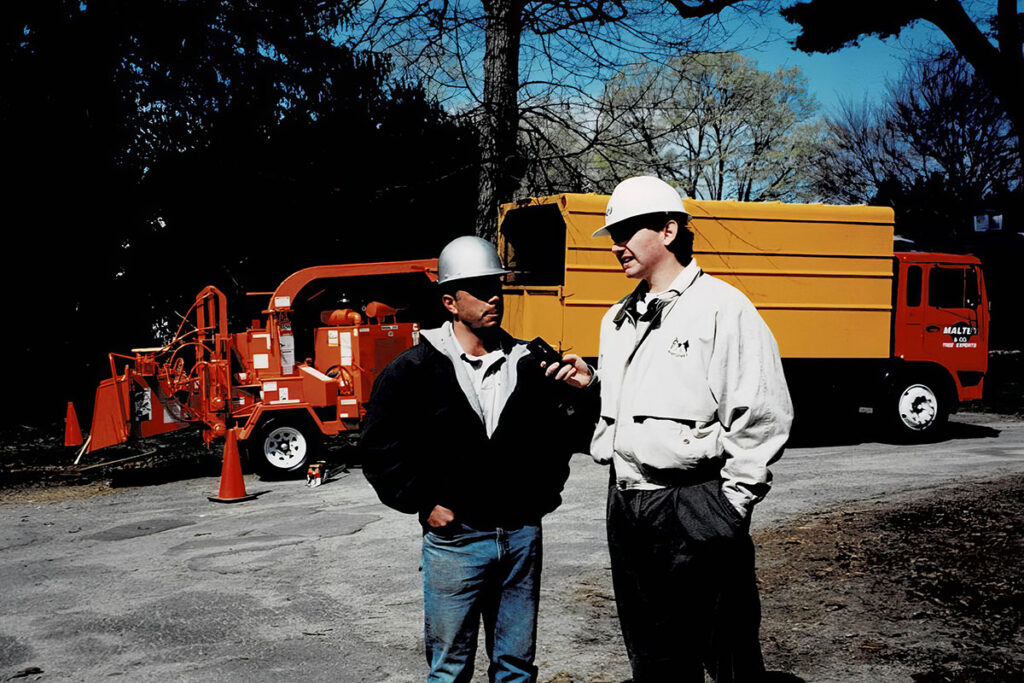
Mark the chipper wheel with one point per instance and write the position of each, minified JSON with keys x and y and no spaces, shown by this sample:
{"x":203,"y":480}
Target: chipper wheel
{"x":282,"y":446}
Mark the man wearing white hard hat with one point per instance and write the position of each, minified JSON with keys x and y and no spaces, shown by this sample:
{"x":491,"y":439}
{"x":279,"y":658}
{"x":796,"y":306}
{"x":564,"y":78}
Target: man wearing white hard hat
{"x":694,"y":407}
{"x":466,"y":431}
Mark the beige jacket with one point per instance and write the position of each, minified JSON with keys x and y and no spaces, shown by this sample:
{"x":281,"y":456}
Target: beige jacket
{"x":700,"y":379}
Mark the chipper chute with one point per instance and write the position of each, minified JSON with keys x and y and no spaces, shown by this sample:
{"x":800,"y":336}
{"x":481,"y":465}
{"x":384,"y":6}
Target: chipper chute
{"x":110,"y":415}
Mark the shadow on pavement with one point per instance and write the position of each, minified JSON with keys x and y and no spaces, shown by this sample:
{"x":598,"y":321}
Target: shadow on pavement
{"x":962,"y":430}
{"x":816,"y":429}
{"x":769,"y":677}
{"x":176,"y":459}
{"x":165,"y":470}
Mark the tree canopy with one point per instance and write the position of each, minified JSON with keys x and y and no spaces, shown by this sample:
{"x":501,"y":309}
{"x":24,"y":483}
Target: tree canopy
{"x":940,"y":149}
{"x":713,"y":124}
{"x":160,"y":147}
{"x":514,"y":67}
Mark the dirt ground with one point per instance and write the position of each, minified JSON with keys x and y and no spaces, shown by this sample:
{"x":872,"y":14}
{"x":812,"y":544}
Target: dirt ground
{"x":933,"y":588}
{"x":935,"y":585}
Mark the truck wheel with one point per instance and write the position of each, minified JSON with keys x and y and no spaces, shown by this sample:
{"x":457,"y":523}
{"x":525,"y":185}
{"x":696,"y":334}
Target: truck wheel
{"x":282,"y":446}
{"x":917,"y":410}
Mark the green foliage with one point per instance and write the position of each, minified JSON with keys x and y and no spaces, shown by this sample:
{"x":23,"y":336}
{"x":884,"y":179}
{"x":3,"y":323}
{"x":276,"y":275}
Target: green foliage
{"x":713,"y":124}
{"x":524,"y":71}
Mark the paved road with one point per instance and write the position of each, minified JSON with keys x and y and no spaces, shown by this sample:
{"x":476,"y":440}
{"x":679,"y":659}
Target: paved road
{"x":156,"y":584}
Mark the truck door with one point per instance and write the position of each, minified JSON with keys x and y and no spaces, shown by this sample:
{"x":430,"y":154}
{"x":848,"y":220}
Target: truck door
{"x":909,"y":306}
{"x":953,"y":318}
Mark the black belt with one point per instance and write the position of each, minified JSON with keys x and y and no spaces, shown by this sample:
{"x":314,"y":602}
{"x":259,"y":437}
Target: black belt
{"x":706,"y":470}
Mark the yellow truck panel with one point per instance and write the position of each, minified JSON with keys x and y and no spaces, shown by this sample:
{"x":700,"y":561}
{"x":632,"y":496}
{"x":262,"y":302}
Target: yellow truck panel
{"x":820,"y":275}
{"x":536,"y":312}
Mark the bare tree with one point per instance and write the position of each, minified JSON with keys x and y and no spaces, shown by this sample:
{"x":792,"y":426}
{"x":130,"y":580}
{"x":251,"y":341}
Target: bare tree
{"x":996,"y":55}
{"x":865,"y":152}
{"x":513,"y":64}
{"x":940,"y":127}
{"x":947,"y":115}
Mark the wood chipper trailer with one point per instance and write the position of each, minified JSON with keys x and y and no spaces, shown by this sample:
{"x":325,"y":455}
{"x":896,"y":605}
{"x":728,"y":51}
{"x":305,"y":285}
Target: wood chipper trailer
{"x":214,"y":380}
{"x":902,"y":334}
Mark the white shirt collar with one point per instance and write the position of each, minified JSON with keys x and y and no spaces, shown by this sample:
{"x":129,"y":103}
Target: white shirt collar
{"x":685,"y":278}
{"x":681,"y":281}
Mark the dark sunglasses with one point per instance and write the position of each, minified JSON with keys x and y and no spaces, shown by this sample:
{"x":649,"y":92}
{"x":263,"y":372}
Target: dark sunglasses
{"x":483,"y":288}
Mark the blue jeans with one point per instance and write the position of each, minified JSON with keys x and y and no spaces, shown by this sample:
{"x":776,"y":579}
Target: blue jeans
{"x":469,"y":574}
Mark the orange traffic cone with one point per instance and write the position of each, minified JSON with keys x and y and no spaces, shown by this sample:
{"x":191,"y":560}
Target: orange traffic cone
{"x":72,"y":432}
{"x":232,"y":486}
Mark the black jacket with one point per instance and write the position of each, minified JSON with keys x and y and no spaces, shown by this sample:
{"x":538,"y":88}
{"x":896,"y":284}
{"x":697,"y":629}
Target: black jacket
{"x":424,"y":445}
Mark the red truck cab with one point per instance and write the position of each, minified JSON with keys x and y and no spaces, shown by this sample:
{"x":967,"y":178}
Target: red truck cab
{"x":941,"y":317}
{"x":940,"y":338}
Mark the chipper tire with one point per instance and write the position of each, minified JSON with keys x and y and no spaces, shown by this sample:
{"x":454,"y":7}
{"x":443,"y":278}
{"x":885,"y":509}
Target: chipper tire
{"x":282,"y":447}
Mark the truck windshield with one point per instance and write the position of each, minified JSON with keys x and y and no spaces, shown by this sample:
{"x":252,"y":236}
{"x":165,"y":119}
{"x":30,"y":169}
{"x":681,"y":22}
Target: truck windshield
{"x":952,"y":287}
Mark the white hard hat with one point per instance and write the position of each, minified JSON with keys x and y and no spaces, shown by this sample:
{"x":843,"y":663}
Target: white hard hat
{"x":640,"y":196}
{"x":466,"y":257}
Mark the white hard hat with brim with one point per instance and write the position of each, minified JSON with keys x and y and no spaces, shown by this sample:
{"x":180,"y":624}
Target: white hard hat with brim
{"x":640,"y":196}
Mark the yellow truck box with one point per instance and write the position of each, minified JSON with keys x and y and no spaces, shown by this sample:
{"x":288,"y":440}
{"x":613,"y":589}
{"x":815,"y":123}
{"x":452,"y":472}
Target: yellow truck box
{"x":820,"y":275}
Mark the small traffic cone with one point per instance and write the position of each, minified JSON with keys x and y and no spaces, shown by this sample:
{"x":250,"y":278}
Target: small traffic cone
{"x":72,"y":432}
{"x":232,"y":485}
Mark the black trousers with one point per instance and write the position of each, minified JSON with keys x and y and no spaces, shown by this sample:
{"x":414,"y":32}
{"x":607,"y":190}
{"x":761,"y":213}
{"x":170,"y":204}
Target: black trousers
{"x":683,"y":571}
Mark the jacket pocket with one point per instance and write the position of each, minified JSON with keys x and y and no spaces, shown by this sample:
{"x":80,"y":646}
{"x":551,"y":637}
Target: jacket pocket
{"x":601,"y":444}
{"x":727,"y":508}
{"x":668,"y":443}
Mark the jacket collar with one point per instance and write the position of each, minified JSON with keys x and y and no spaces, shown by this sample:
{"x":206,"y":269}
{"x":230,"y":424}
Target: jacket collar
{"x":628,"y":307}
{"x":443,"y":340}
{"x":679,"y":285}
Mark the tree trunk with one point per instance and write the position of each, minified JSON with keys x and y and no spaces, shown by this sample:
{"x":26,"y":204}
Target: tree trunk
{"x":500,"y":166}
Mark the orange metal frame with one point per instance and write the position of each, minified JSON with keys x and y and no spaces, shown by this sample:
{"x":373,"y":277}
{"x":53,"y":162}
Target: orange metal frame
{"x":206,"y":394}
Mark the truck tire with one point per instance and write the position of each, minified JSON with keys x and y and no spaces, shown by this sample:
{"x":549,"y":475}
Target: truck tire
{"x":917,"y":409}
{"x":283,"y":446}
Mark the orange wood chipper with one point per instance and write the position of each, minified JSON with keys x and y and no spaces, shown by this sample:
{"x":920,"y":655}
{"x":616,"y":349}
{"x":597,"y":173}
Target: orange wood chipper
{"x":214,"y":380}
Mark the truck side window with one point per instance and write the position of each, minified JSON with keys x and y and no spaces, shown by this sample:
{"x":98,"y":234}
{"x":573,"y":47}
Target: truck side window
{"x":946,"y":287}
{"x":914,"y":286}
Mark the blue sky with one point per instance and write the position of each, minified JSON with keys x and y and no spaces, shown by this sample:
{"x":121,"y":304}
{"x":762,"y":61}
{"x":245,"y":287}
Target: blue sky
{"x":852,"y":74}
